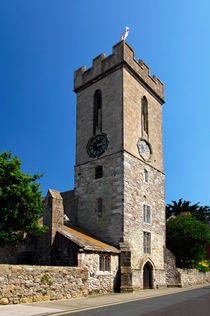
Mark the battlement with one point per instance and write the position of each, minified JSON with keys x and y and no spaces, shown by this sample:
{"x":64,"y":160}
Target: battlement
{"x":122,"y":54}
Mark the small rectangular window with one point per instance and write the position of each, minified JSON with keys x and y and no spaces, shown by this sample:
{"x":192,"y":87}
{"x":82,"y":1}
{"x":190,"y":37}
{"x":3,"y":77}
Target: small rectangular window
{"x":104,"y":263}
{"x":145,"y":175}
{"x":99,"y":206}
{"x":101,"y":263}
{"x":147,"y":242}
{"x":146,"y":213}
{"x":99,"y":172}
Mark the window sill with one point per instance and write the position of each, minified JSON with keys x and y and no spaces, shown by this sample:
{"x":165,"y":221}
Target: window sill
{"x":104,"y":273}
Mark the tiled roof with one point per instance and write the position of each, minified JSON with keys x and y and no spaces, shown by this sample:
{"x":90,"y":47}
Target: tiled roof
{"x":86,"y":242}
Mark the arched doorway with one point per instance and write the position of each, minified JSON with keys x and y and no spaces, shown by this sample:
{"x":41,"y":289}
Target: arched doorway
{"x":147,"y":276}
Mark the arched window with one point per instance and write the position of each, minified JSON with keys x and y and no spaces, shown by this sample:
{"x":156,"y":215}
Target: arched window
{"x":144,"y":115}
{"x":97,"y":112}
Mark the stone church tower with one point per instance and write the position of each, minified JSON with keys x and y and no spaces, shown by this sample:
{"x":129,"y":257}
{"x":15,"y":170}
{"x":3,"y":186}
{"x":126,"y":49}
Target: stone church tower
{"x":119,"y":178}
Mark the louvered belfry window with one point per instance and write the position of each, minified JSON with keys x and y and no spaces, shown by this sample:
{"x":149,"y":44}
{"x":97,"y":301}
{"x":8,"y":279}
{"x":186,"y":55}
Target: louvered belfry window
{"x":97,"y":113}
{"x":144,"y":114}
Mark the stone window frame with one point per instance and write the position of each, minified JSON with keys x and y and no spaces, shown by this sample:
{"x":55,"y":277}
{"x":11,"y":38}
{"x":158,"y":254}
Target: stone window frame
{"x":97,"y":112}
{"x":147,"y":242}
{"x":99,"y":206}
{"x":99,"y":172}
{"x":144,"y":116}
{"x":105,"y":263}
{"x":147,"y":214}
{"x":146,"y":175}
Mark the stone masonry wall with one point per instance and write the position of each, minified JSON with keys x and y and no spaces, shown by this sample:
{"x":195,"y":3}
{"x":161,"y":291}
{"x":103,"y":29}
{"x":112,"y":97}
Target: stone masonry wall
{"x":193,"y":276}
{"x":111,"y":90}
{"x":133,"y":92}
{"x":103,"y":280}
{"x":184,"y":277}
{"x":172,"y":275}
{"x":107,"y":226}
{"x":23,"y":284}
{"x":137,"y":193}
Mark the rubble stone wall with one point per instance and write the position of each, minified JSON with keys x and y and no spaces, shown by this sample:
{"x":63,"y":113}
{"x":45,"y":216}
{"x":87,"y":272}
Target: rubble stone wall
{"x":172,"y":275}
{"x":193,"y":276}
{"x":136,"y":194}
{"x":25,"y":284}
{"x":103,"y":280}
{"x":184,"y":277}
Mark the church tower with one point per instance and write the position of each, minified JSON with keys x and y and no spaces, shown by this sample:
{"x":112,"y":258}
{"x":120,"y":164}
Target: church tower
{"x":119,"y":178}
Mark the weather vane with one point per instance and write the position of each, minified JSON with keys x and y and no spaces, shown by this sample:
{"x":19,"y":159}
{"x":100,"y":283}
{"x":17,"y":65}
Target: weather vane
{"x":125,"y":34}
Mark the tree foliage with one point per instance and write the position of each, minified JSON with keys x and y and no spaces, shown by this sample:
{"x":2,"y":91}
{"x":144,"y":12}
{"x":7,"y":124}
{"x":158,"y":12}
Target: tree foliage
{"x":20,"y":201}
{"x":200,"y":213}
{"x":187,"y":238}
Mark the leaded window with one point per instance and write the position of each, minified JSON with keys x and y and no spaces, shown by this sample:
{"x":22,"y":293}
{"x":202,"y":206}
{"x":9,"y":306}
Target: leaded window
{"x":146,"y":213}
{"x":147,"y":242}
{"x":104,"y":263}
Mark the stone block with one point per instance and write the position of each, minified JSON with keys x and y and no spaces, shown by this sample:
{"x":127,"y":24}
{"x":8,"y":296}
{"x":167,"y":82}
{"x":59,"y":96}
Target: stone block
{"x":24,"y":300}
{"x":46,"y":298}
{"x":4,"y":301}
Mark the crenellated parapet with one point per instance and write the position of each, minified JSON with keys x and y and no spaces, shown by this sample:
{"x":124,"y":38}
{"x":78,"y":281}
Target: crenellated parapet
{"x":122,"y":56}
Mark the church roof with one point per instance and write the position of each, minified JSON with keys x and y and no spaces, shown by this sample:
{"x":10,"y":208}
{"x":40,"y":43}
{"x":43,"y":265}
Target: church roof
{"x":86,"y":242}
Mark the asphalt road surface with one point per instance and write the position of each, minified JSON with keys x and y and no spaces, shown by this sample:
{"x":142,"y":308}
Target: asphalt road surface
{"x":190,"y":303}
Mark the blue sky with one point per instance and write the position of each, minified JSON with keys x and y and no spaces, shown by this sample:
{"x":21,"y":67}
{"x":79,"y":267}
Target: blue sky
{"x":42,"y":43}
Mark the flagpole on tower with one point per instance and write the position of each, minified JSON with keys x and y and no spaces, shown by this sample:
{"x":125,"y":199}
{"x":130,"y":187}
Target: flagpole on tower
{"x":125,"y":34}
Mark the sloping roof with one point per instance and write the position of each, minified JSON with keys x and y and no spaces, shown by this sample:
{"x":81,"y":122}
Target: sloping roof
{"x":86,"y":242}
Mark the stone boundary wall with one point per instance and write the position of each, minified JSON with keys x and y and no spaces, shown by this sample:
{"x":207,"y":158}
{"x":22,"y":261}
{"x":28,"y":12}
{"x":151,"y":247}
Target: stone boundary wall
{"x":26,"y":284}
{"x":183,"y":277}
{"x":172,"y":275}
{"x":193,"y":276}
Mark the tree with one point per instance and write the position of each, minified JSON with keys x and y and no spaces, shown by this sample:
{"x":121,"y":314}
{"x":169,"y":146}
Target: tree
{"x":186,"y":238}
{"x":201,"y":213}
{"x":20,"y":201}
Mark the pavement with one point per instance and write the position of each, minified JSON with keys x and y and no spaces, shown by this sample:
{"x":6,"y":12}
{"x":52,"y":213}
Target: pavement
{"x":79,"y":304}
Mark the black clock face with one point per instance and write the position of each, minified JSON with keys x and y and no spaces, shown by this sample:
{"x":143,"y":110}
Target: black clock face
{"x":97,"y":145}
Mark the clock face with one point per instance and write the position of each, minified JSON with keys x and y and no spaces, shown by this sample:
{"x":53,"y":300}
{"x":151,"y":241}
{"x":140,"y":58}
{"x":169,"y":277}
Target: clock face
{"x":97,"y":145}
{"x":144,"y":149}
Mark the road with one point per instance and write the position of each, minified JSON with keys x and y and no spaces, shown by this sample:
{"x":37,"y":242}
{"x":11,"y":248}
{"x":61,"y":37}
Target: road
{"x":189,"y":303}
